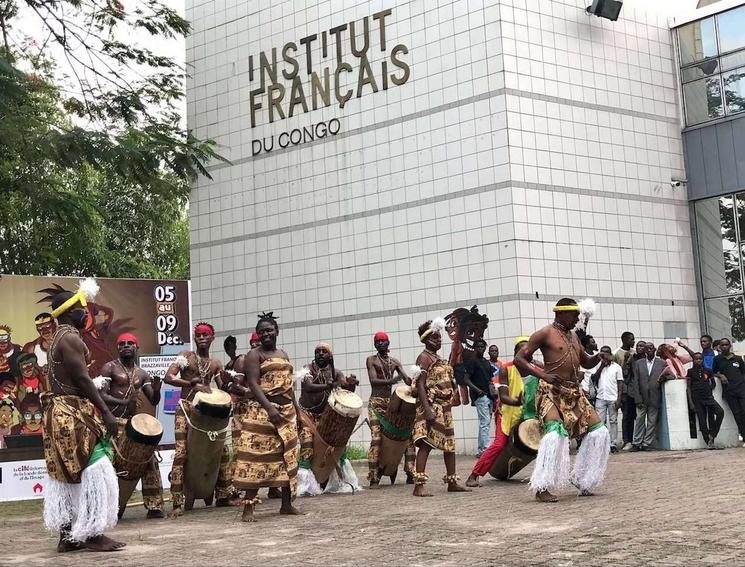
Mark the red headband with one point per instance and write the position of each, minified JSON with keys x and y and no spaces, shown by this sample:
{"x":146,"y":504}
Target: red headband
{"x":254,"y":338}
{"x":204,"y":328}
{"x":381,"y":336}
{"x":127,"y":337}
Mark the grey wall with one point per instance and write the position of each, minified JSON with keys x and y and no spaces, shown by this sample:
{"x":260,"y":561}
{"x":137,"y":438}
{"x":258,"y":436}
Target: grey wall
{"x":715,"y":159}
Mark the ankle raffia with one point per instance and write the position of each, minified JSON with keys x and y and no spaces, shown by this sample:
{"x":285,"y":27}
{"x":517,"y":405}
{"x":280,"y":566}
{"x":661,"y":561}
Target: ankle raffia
{"x":450,"y":479}
{"x":251,"y":501}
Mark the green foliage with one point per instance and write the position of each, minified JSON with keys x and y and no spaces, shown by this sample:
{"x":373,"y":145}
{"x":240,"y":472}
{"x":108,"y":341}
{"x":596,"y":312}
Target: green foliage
{"x":94,"y":168}
{"x":356,"y":453}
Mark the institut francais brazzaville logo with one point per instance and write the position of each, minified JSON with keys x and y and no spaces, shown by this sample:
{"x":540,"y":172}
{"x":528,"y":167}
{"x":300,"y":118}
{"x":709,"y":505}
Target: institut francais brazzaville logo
{"x":320,"y":70}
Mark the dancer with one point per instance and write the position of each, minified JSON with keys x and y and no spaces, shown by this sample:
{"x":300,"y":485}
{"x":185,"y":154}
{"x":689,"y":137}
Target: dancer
{"x":81,"y":495}
{"x":384,"y":371}
{"x":563,"y":409}
{"x":517,"y":391}
{"x":125,"y":381}
{"x":193,"y":372}
{"x":436,"y":395}
{"x":318,"y":379}
{"x":268,"y":422}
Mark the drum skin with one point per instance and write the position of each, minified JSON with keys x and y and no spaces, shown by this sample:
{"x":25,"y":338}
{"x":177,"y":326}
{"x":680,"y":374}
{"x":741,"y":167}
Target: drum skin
{"x":339,"y":418}
{"x":203,"y":454}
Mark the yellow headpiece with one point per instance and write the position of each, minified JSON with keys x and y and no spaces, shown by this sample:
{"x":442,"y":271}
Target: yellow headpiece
{"x":565,"y":308}
{"x":87,"y":291}
{"x":522,"y":339}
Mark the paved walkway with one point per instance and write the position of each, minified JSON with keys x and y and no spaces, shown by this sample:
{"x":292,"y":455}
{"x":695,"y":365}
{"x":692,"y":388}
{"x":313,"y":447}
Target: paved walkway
{"x":657,"y":508}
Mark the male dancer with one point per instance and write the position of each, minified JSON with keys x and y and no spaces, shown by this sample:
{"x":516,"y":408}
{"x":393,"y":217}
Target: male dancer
{"x":120,"y":392}
{"x":384,"y":371}
{"x":193,"y":372}
{"x":269,"y":422}
{"x":82,"y":493}
{"x":319,"y":378}
{"x":517,"y":392}
{"x":563,"y":409}
{"x":436,"y":394}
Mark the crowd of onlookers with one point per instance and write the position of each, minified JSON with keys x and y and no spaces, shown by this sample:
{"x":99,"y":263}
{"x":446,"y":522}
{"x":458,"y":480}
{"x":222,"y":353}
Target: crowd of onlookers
{"x":631,"y":377}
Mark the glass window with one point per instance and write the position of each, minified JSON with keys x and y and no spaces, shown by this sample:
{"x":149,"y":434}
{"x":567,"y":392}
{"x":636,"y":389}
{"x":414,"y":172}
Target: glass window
{"x":700,"y":70}
{"x":725,"y":317}
{"x":697,"y":41}
{"x":734,"y":90}
{"x":703,"y":100}
{"x":717,"y":247}
{"x":733,"y":61}
{"x":731,"y":29}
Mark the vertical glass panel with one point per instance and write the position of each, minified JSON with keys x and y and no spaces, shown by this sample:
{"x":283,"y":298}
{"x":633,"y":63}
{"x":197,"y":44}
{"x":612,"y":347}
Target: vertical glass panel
{"x":730,"y":61}
{"x":731,"y":29}
{"x":734,"y":90}
{"x":725,"y":317}
{"x":703,"y":100}
{"x":718,"y":251}
{"x":700,"y":70}
{"x":697,"y":41}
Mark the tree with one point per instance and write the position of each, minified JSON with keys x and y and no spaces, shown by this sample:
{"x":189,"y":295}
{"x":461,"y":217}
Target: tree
{"x":73,"y":150}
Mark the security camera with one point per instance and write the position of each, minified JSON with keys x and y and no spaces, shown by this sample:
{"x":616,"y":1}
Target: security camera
{"x":675,"y":183}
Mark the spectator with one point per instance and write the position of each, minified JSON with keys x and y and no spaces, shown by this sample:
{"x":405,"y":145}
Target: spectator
{"x":629,"y":405}
{"x":646,"y":391}
{"x":730,"y":369}
{"x":607,"y":382}
{"x":623,"y":353}
{"x":478,"y":377}
{"x":676,"y":371}
{"x":496,"y":366}
{"x":700,"y":385}
{"x":589,"y":344}
{"x":230,"y":345}
{"x":707,"y":351}
{"x":715,"y":346}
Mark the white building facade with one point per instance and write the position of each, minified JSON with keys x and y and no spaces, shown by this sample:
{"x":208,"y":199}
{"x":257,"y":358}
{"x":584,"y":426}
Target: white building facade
{"x":498,"y":153}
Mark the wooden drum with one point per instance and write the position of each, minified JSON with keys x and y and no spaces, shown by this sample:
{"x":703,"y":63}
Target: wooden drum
{"x":520,"y":451}
{"x":136,"y":446}
{"x":395,"y":429}
{"x":334,"y":429}
{"x":209,"y":424}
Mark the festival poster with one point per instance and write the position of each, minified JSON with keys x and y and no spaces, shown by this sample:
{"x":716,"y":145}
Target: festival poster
{"x":156,"y":311}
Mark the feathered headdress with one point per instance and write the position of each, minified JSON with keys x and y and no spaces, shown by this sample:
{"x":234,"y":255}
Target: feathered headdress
{"x":586,"y":310}
{"x":87,"y":291}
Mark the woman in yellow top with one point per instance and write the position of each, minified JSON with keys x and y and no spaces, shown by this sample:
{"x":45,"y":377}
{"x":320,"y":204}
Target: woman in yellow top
{"x":517,"y":402}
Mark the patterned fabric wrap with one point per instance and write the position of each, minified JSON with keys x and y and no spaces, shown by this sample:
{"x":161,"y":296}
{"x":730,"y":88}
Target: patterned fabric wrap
{"x":306,"y":441}
{"x":71,"y":430}
{"x":376,"y":407}
{"x":267,"y":454}
{"x":573,"y":407}
{"x":152,"y":487}
{"x":439,"y":386}
{"x":223,"y":487}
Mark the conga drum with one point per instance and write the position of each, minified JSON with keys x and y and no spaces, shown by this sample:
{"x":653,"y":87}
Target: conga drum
{"x":520,"y":451}
{"x":209,"y":424}
{"x":334,"y":429}
{"x":136,"y":447}
{"x":395,"y":428}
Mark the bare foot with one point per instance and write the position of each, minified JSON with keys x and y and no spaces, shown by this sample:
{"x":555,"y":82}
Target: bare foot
{"x":275,"y":492}
{"x":473,"y":481}
{"x":64,"y":546}
{"x":177,"y":512}
{"x":103,"y":543}
{"x":152,"y":514}
{"x":455,"y":487}
{"x":586,"y":493}
{"x":374,"y":485}
{"x":545,"y":496}
{"x":419,"y":490}
{"x":248,"y":513}
{"x":291,"y":511}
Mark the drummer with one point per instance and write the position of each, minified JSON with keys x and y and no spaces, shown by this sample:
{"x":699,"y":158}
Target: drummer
{"x":517,"y":391}
{"x":126,"y":381}
{"x":384,"y":371}
{"x":436,"y":395}
{"x":319,"y":378}
{"x":193,"y":372}
{"x":269,"y":422}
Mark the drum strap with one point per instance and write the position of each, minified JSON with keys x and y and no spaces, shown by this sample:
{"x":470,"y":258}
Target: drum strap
{"x":390,"y":428}
{"x":211,"y":435}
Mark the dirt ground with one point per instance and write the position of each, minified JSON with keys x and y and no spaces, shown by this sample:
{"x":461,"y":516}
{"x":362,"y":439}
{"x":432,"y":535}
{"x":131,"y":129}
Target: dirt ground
{"x":657,"y":508}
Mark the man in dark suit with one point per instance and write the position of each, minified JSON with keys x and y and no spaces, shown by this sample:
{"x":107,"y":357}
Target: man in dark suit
{"x":645,"y":388}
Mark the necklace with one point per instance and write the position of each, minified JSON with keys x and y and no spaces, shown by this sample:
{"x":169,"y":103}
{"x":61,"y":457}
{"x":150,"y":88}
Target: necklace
{"x":564,"y":333}
{"x":203,"y":367}
{"x":62,"y":330}
{"x":387,"y":367}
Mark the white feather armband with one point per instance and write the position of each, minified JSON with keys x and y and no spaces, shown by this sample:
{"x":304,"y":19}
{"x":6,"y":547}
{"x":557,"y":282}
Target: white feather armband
{"x":415,"y":371}
{"x":101,"y":382}
{"x":90,"y":288}
{"x":182,"y":361}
